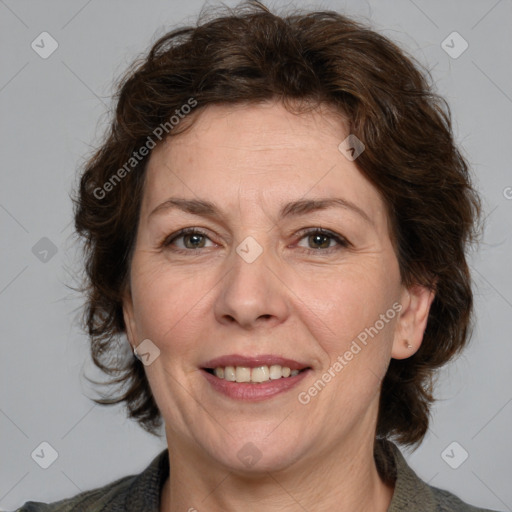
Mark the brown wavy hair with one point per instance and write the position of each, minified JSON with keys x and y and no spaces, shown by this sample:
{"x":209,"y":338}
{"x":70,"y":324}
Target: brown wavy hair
{"x":247,"y":55}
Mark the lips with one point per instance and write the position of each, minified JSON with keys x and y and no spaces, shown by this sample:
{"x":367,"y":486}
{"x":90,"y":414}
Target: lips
{"x":253,"y":378}
{"x":253,"y":362}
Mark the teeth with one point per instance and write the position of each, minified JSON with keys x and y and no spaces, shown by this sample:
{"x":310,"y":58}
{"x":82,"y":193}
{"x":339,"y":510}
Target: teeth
{"x":276,"y":372}
{"x":258,"y":374}
{"x":229,"y":373}
{"x":243,"y":374}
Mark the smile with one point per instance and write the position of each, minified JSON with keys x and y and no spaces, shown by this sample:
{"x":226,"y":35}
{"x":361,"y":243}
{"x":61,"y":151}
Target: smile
{"x":256,"y":375}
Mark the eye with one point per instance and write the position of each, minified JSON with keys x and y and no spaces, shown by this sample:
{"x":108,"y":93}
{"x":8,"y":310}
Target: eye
{"x":322,"y":239}
{"x":193,"y":239}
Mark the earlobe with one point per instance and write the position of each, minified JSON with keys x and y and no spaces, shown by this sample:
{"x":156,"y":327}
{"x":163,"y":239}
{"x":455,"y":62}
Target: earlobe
{"x":412,"y":322}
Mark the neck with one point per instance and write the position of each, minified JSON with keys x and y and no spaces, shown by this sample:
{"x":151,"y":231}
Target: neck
{"x":344,"y":480}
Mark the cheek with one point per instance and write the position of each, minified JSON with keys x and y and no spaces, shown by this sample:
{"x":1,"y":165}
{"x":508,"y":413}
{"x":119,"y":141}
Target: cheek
{"x":165,"y":302}
{"x":354,"y":301}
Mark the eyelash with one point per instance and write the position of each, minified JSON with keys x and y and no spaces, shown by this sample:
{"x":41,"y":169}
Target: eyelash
{"x":341,"y":241}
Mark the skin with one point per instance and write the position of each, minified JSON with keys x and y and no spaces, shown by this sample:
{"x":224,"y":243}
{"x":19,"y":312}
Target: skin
{"x":303,"y":298}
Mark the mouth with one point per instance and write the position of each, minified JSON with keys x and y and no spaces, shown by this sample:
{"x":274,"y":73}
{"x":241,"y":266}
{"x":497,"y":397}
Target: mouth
{"x":253,"y":378}
{"x":256,"y":375}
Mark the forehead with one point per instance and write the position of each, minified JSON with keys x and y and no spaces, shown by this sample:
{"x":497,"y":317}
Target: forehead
{"x":259,"y":154}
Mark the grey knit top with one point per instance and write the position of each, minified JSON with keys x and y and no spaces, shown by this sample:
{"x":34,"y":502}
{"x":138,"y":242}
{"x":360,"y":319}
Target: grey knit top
{"x":141,"y":492}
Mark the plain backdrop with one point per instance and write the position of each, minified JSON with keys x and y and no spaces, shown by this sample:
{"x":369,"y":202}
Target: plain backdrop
{"x":53,"y":112}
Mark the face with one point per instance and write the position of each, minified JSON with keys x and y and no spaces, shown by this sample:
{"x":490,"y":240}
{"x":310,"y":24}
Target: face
{"x":254,"y":278}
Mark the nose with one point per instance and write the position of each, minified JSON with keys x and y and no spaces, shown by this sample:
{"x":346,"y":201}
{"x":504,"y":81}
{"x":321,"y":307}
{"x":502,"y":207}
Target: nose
{"x":252,"y":294}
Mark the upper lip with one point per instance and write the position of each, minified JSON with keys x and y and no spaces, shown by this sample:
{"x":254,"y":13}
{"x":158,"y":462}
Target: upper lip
{"x":254,"y":361}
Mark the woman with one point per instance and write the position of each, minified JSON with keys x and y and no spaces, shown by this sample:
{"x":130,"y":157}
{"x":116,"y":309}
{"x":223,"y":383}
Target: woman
{"x":277,"y":221}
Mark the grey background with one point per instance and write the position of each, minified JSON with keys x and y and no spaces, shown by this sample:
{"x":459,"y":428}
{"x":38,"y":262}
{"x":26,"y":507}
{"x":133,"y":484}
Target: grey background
{"x":53,"y":112}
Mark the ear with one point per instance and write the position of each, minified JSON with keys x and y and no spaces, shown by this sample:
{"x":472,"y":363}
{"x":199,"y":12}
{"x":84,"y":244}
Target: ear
{"x":412,"y":322}
{"x":129,"y":318}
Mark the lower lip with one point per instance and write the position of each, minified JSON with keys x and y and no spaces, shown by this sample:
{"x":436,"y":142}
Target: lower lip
{"x":254,"y":392}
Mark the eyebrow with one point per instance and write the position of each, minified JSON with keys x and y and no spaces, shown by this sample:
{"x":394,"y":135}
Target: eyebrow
{"x":292,"y":209}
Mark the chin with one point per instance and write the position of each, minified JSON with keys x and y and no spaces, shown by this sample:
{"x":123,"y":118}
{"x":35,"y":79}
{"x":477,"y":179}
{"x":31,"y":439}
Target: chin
{"x":253,"y":455}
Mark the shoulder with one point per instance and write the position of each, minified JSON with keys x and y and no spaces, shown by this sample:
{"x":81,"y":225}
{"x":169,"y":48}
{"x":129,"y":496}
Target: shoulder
{"x":448,"y":502}
{"x":140,"y":492}
{"x":91,"y":501}
{"x":412,"y":494}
